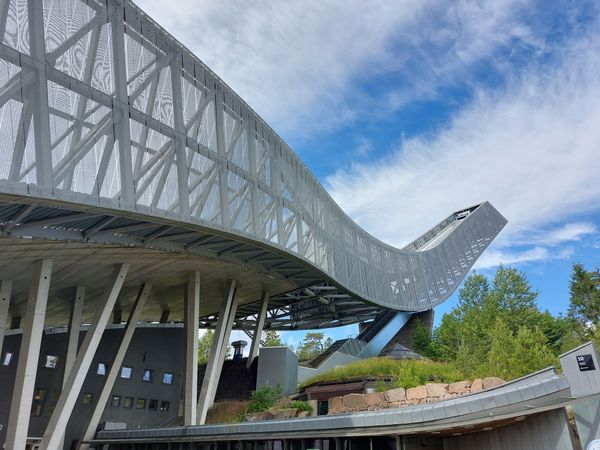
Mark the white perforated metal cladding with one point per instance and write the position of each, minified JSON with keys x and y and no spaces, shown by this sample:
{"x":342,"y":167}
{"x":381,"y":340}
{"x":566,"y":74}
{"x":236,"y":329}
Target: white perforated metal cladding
{"x":134,"y":122}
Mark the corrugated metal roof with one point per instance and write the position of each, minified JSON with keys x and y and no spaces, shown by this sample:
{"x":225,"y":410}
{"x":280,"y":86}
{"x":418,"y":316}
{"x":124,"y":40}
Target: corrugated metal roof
{"x":539,"y":391}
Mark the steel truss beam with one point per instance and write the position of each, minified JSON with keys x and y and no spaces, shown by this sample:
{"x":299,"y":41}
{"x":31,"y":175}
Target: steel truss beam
{"x":113,"y":114}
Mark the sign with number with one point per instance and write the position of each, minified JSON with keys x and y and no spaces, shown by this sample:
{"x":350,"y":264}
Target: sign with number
{"x":585,"y":362}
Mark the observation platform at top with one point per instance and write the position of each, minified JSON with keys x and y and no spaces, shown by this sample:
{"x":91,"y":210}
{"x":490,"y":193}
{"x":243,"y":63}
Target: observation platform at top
{"x":118,"y":145}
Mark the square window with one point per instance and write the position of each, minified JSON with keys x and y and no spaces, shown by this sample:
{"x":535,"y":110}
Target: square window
{"x":140,"y":403}
{"x":87,"y":399}
{"x":126,"y":372}
{"x":164,"y":405}
{"x":51,"y":362}
{"x":37,"y":404}
{"x":167,"y":378}
{"x":40,"y":395}
{"x":148,"y":375}
{"x":102,"y":369}
{"x":8,"y":356}
{"x":36,"y":409}
{"x":152,"y":404}
{"x":128,"y":402}
{"x":115,"y":401}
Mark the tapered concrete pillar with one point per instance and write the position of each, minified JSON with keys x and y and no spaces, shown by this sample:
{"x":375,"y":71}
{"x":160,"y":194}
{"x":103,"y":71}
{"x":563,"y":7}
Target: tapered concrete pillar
{"x":113,"y":373}
{"x":73,"y":338}
{"x":258,"y":329}
{"x":223,"y":354}
{"x":217,"y":355}
{"x":74,"y":328}
{"x":192,"y":317}
{"x":29,"y":354}
{"x":68,"y":397}
{"x":5,"y":291}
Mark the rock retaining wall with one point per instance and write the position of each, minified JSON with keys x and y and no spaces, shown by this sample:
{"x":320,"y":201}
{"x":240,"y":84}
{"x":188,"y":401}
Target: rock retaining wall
{"x":394,"y":398}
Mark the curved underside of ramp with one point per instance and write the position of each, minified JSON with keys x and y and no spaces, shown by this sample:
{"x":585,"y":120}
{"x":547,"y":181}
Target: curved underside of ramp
{"x":112,"y":133}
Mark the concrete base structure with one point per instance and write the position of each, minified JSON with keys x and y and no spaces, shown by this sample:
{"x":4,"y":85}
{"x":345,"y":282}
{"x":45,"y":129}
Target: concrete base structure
{"x":528,"y":413}
{"x":278,"y":366}
{"x":156,"y":350}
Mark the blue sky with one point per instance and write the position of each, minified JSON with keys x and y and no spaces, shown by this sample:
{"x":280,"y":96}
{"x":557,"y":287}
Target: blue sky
{"x":409,"y":110}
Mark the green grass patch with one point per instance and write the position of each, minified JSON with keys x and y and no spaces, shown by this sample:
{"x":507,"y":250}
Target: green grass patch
{"x":263,"y":398}
{"x":403,"y":373}
{"x":230,"y":411}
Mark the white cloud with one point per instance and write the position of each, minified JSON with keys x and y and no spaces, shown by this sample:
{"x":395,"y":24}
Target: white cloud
{"x":569,"y":232}
{"x":494,"y":257}
{"x":299,"y":63}
{"x":530,"y":148}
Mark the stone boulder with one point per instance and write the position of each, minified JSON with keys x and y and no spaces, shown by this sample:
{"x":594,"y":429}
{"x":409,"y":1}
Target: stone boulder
{"x":436,"y":389}
{"x":395,"y":396}
{"x":262,"y":415}
{"x":335,"y":405}
{"x":477,"y":385}
{"x":375,"y":400}
{"x":285,"y":413}
{"x":416,"y":393}
{"x":460,"y":387}
{"x":491,"y":382}
{"x":354,"y":402}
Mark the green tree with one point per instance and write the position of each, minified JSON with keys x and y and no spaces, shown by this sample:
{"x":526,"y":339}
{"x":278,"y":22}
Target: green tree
{"x":446,"y":338}
{"x":584,"y":304}
{"x":488,"y":316}
{"x":514,"y":355}
{"x":531,"y":352}
{"x":312,"y":345}
{"x":501,"y":350}
{"x":204,"y":346}
{"x":421,"y":340}
{"x":272,"y":339}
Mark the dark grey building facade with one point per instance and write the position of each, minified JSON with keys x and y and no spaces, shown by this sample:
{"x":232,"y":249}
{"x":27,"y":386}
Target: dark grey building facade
{"x":146,"y":393}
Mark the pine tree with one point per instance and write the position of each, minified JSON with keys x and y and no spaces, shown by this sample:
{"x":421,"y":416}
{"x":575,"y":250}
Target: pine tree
{"x":501,"y":351}
{"x":585,"y":296}
{"x":272,"y":339}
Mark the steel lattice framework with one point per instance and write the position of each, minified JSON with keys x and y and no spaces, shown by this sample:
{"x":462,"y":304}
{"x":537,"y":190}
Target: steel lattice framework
{"x":105,"y":115}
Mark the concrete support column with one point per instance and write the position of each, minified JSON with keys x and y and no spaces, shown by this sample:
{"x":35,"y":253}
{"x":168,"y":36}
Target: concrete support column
{"x":192,"y":317}
{"x":217,"y":354}
{"x":74,"y":327}
{"x":29,"y":354}
{"x":73,"y":338}
{"x":5,"y":291}
{"x":260,"y":323}
{"x":68,"y":397}
{"x":134,"y":317}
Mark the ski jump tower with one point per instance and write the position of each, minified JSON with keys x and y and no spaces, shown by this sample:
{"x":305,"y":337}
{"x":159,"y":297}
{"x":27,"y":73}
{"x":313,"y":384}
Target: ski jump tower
{"x":135,"y":184}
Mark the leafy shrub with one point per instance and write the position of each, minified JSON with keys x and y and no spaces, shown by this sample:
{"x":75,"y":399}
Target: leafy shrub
{"x":381,"y":386}
{"x":403,"y":373}
{"x":264,"y":398}
{"x":405,"y":376}
{"x":230,"y":411}
{"x":302,"y":406}
{"x":416,"y":373}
